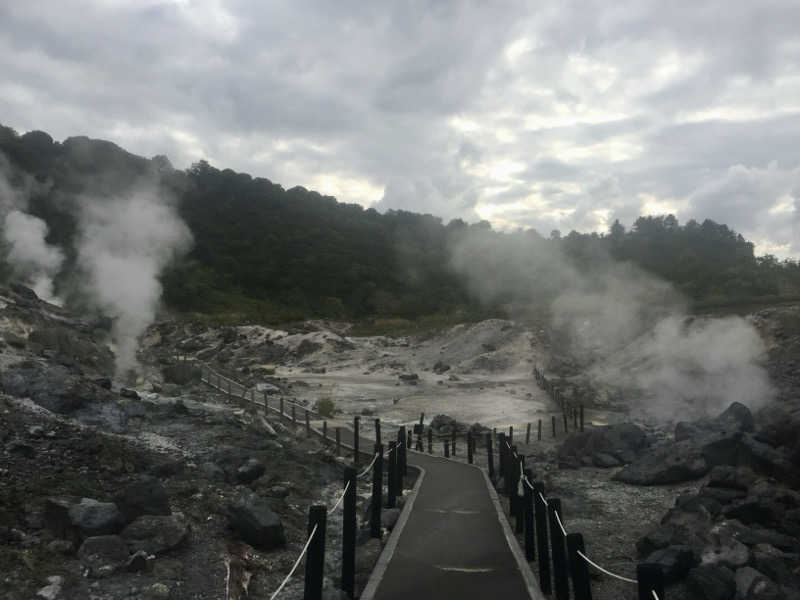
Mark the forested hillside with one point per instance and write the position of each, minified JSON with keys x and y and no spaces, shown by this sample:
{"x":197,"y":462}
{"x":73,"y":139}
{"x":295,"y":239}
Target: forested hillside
{"x":271,"y":254}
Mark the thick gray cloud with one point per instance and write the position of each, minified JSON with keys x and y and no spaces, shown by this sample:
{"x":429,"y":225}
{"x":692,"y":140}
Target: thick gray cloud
{"x":550,"y":115}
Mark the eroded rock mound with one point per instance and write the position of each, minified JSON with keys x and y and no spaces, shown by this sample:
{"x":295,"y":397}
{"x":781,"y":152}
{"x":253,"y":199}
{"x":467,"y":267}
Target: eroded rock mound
{"x":608,"y":446}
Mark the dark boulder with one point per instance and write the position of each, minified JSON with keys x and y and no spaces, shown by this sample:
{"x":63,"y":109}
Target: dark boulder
{"x":671,"y":462}
{"x":253,"y":519}
{"x":440,"y":367}
{"x":92,"y":517}
{"x":129,"y":393}
{"x":754,"y":585}
{"x":251,"y":470}
{"x":675,"y":561}
{"x":611,"y":445}
{"x":143,"y":497}
{"x":444,"y":424}
{"x":712,"y":582}
{"x":155,"y":534}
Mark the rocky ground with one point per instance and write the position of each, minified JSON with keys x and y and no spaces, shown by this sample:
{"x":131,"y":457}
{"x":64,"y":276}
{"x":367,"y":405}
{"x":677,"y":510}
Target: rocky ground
{"x":145,"y":491}
{"x":69,"y":430}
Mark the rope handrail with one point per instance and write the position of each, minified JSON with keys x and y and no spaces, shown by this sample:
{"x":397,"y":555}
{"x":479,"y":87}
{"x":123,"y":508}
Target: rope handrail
{"x":560,"y":524}
{"x":655,"y":595}
{"x":296,"y":563}
{"x":339,"y":501}
{"x":369,"y":467}
{"x":606,"y":571}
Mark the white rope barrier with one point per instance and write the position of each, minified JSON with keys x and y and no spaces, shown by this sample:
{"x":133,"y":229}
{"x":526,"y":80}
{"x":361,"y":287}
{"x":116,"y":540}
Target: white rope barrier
{"x":606,"y":571}
{"x":655,"y":595}
{"x":543,"y":499}
{"x":339,"y":501}
{"x":367,"y":470}
{"x":296,"y":563}
{"x":560,"y":524}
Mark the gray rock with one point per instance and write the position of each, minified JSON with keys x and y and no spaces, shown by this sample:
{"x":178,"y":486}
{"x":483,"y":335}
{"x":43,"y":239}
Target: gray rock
{"x":253,"y":519}
{"x":726,"y":551}
{"x":103,"y":554}
{"x":129,"y":393}
{"x":623,"y":442}
{"x":155,"y":534}
{"x":35,"y":431}
{"x":440,"y":367}
{"x":712,"y":582}
{"x":251,"y":470}
{"x":672,"y":462}
{"x":656,"y":539}
{"x":92,"y":517}
{"x":753,"y":585}
{"x":143,"y":497}
{"x":53,"y":589}
{"x":675,"y":561}
{"x":725,"y":476}
{"x":212,"y":471}
{"x":20,"y":448}
{"x":14,"y":384}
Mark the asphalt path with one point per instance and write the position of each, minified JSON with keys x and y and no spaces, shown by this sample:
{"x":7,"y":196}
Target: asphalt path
{"x":453,"y":544}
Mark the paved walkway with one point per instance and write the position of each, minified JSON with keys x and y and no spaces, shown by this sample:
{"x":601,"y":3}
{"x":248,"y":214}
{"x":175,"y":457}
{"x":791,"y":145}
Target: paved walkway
{"x":453,"y":544}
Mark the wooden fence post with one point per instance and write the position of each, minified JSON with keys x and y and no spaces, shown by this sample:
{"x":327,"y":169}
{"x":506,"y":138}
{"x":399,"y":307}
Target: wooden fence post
{"x":528,"y":434}
{"x":554,"y":426}
{"x":490,"y":456}
{"x":349,"y":531}
{"x":501,"y":455}
{"x":377,"y":431}
{"x":578,"y":568}
{"x":511,"y":434}
{"x":391,"y":480}
{"x":519,"y":507}
{"x":315,"y":556}
{"x":377,"y":494}
{"x":651,"y":579}
{"x":469,"y":447}
{"x":454,"y":442}
{"x":324,"y":431}
{"x":530,"y":553}
{"x":566,"y":426}
{"x":401,"y":459}
{"x":447,"y":448}
{"x":539,"y":433}
{"x":356,"y":420}
{"x":560,"y":577}
{"x":540,"y":513}
{"x":430,"y":440}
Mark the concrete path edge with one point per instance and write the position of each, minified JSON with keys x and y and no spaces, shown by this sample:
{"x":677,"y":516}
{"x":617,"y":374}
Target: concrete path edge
{"x":391,"y":544}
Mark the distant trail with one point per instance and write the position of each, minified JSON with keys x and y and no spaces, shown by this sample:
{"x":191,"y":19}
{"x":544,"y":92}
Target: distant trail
{"x":453,"y":544}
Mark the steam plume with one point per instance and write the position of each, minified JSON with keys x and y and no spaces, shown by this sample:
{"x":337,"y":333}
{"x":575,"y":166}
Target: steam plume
{"x":124,"y":245}
{"x":33,"y":260}
{"x":627,"y":327}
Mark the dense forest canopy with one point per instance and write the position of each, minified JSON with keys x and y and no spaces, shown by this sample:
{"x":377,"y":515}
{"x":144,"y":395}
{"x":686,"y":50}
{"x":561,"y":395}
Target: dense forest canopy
{"x":274,"y":254}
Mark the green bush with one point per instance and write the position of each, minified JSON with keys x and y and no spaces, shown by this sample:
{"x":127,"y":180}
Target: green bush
{"x":325,"y":407}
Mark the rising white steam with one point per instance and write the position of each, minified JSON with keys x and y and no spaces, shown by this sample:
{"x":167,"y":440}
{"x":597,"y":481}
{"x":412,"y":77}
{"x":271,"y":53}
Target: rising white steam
{"x":124,"y":245}
{"x":32,"y":259}
{"x":626,"y":326}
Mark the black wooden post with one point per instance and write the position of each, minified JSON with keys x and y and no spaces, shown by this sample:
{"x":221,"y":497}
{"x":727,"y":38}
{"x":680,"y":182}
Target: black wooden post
{"x":651,"y":579}
{"x":578,"y":568}
{"x":560,"y":575}
{"x":454,"y":442}
{"x":356,"y":421}
{"x":401,"y":459}
{"x":315,"y":557}
{"x":469,"y":447}
{"x":447,"y":448}
{"x":391,"y":480}
{"x":490,"y":456}
{"x":377,"y":494}
{"x":377,"y":431}
{"x":530,"y":553}
{"x":554,"y":426}
{"x":511,"y":434}
{"x":581,"y":417}
{"x":430,"y":440}
{"x":409,"y":437}
{"x":349,"y":532}
{"x":338,"y":441}
{"x":324,"y":431}
{"x":308,"y":423}
{"x":540,"y":512}
{"x":539,"y":433}
{"x":501,"y":454}
{"x":528,"y":434}
{"x":518,"y":500}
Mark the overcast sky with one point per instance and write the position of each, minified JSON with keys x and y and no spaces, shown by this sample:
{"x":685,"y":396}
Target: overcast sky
{"x":553,"y":115}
